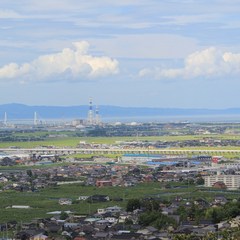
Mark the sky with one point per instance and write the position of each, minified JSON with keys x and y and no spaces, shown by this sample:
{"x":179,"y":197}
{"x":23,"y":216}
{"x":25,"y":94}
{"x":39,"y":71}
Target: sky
{"x":137,"y":53}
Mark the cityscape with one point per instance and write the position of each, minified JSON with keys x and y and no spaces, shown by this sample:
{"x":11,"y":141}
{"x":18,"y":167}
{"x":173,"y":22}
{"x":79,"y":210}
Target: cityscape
{"x":96,"y":180}
{"x":119,"y":120}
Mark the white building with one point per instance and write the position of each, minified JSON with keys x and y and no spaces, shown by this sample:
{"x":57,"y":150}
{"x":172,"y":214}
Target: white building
{"x":231,"y":181}
{"x":139,"y":158}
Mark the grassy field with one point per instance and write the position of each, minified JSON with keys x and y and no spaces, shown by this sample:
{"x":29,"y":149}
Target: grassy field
{"x":58,"y":142}
{"x":74,"y":141}
{"x":46,"y":200}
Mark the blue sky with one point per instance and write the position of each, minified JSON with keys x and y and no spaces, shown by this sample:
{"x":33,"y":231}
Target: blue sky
{"x":149,"y":53}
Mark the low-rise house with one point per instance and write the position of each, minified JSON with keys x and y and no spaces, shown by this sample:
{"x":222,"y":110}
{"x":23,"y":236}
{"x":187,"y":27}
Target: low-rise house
{"x":55,"y":218}
{"x":39,"y":236}
{"x":7,"y":162}
{"x":201,"y":203}
{"x":83,"y":198}
{"x":111,"y":220}
{"x":102,"y":224}
{"x":235,"y":222}
{"x":91,"y":220}
{"x":98,"y":198}
{"x":223,"y":225}
{"x":168,"y":210}
{"x":101,"y":211}
{"x":163,"y":235}
{"x":80,"y":238}
{"x":125,"y":235}
{"x":65,"y":201}
{"x":148,"y":231}
{"x":52,"y":227}
{"x":220,"y":200}
{"x":219,"y":185}
{"x":114,"y":209}
{"x":31,"y":234}
{"x":101,"y":235}
{"x":72,"y":226}
{"x":104,"y":183}
{"x":123,"y":217}
{"x":3,"y":179}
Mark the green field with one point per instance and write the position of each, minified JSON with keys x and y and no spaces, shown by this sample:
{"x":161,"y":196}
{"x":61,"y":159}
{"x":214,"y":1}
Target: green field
{"x":46,"y":200}
{"x":74,"y":141}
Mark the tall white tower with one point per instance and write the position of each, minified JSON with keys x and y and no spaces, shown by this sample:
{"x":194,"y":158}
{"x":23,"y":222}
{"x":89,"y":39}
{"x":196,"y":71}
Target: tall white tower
{"x":5,"y":119}
{"x":90,"y":112}
{"x":97,"y":116}
{"x":35,"y":120}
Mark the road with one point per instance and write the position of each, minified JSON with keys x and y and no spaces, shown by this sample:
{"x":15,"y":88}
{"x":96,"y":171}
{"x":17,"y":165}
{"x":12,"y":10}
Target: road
{"x":62,"y":151}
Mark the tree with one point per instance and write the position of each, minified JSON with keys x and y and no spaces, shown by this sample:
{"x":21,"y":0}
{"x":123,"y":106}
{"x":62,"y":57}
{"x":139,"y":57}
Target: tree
{"x":218,"y":215}
{"x":29,"y":173}
{"x":156,"y":219}
{"x":200,"y":181}
{"x":182,"y":211}
{"x":148,"y":217}
{"x":151,"y":205}
{"x":128,"y":222}
{"x":192,"y":212}
{"x":133,"y":204}
{"x":63,"y":216}
{"x":182,"y":237}
{"x":211,"y":236}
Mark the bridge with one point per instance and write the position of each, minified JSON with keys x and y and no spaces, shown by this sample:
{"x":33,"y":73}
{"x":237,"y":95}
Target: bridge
{"x":68,"y":151}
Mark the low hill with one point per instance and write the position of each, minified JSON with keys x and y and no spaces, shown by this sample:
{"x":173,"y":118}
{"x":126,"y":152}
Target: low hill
{"x":21,"y":111}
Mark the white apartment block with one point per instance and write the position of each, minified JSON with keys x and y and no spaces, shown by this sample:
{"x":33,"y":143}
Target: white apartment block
{"x":231,"y":181}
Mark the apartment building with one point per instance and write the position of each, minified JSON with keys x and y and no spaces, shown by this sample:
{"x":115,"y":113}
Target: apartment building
{"x":231,"y":181}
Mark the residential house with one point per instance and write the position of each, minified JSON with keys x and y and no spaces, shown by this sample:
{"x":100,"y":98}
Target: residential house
{"x":220,"y":200}
{"x":98,"y":198}
{"x":114,"y":209}
{"x":39,"y":237}
{"x":104,"y":183}
{"x":65,"y":201}
{"x":83,"y":198}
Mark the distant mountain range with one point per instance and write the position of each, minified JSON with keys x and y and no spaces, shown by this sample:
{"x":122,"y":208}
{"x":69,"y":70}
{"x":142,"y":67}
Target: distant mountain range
{"x":21,"y":111}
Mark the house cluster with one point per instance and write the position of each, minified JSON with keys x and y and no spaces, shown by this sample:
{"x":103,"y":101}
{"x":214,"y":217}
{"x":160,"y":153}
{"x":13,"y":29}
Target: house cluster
{"x":91,"y":175}
{"x":114,"y":222}
{"x":11,"y":161}
{"x":97,"y":175}
{"x":137,"y":144}
{"x":205,"y":142}
{"x":223,"y":175}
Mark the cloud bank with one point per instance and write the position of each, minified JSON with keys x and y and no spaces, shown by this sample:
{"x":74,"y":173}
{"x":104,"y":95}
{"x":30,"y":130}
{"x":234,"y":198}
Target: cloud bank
{"x":208,"y":63}
{"x":75,"y":64}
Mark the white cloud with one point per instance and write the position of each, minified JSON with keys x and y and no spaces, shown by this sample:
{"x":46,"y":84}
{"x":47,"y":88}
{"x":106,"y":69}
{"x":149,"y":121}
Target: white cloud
{"x":190,"y":19}
{"x":5,"y":13}
{"x":71,"y":63}
{"x":208,"y":63}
